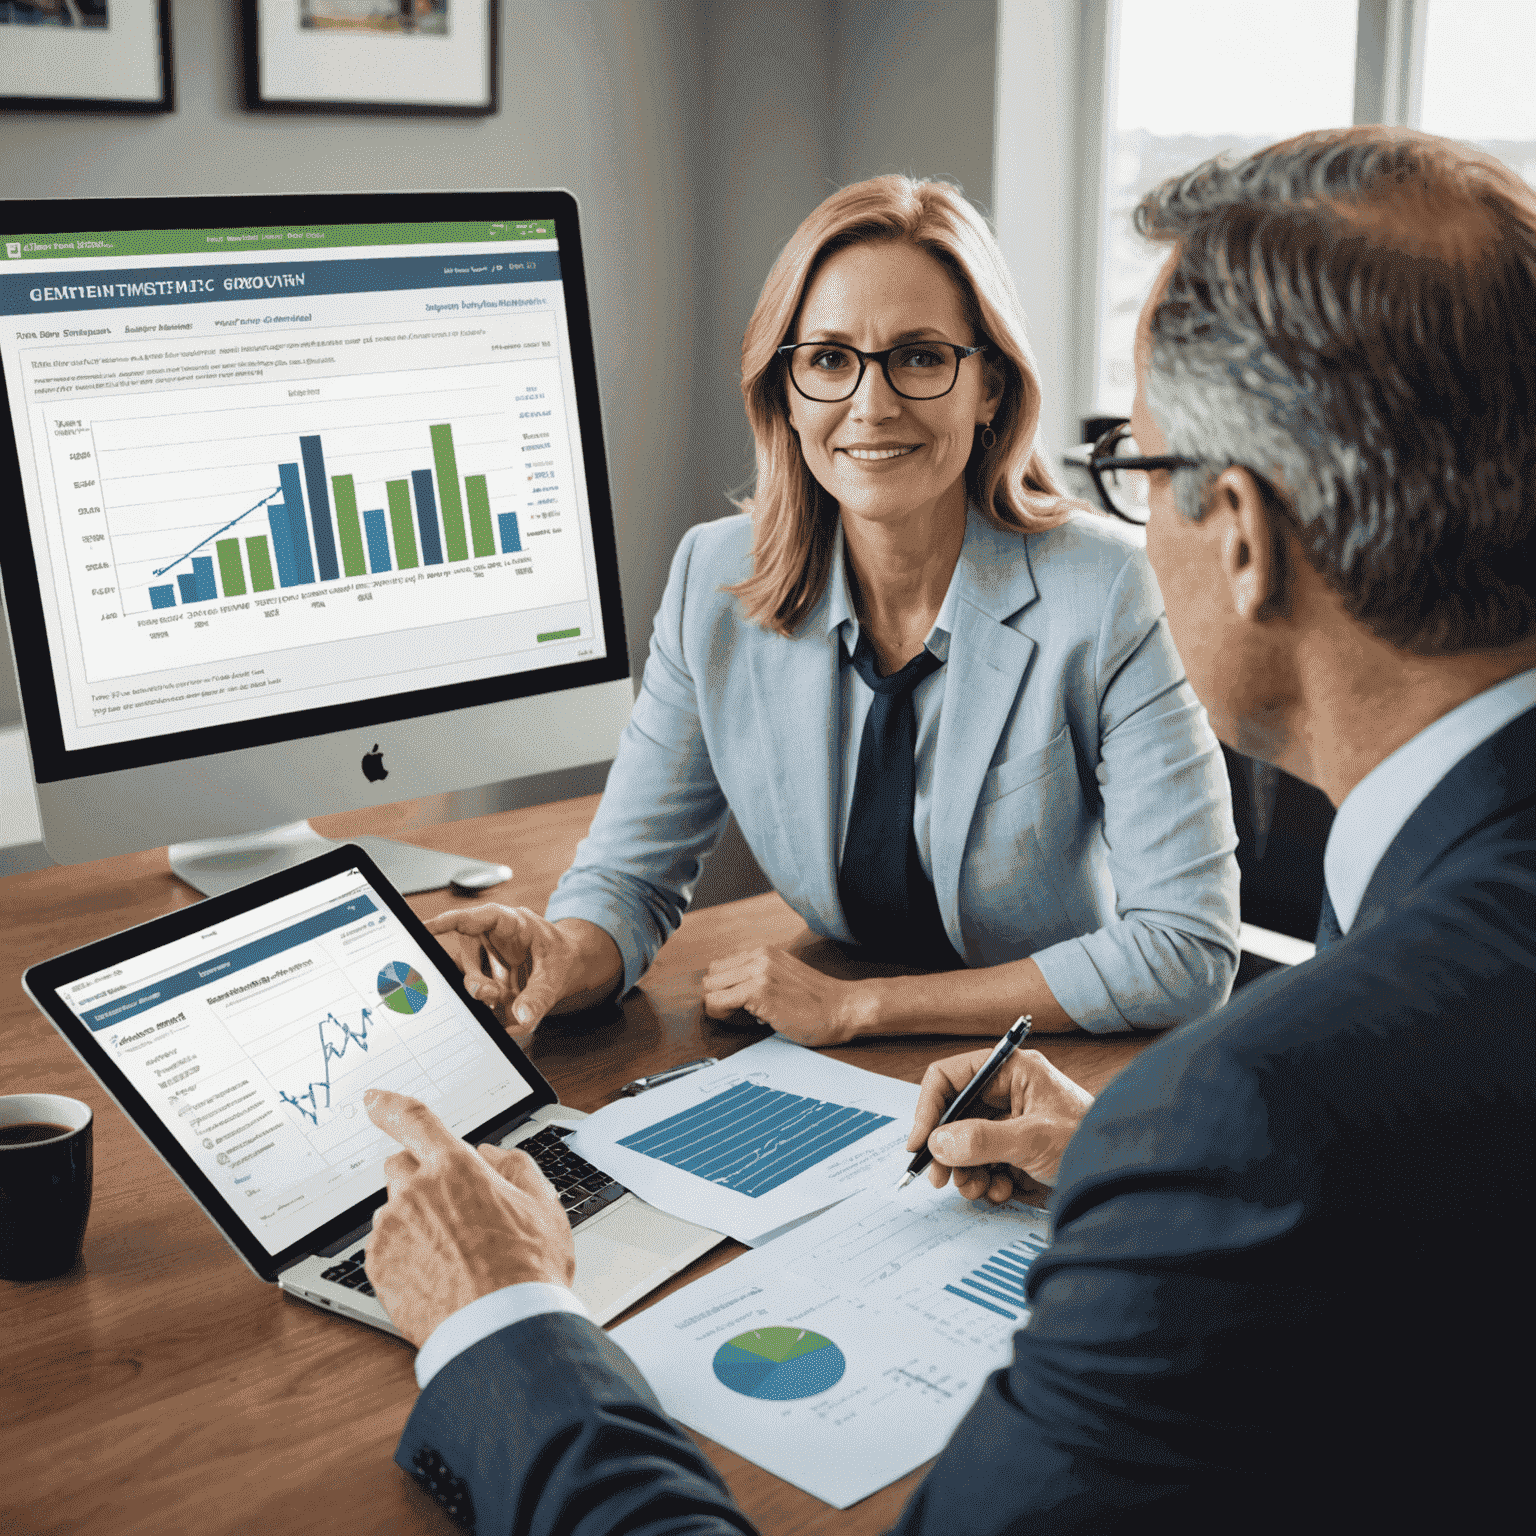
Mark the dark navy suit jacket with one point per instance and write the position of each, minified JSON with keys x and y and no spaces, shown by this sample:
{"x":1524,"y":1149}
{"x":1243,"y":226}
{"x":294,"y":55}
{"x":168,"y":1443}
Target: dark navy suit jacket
{"x":1289,"y":1283}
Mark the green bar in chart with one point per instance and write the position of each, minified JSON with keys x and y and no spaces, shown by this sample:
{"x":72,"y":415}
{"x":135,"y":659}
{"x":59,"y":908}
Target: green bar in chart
{"x":261,"y":563}
{"x":451,"y":503}
{"x":399,"y":492}
{"x":479,"y":515}
{"x":231,"y":572}
{"x":348,"y":527}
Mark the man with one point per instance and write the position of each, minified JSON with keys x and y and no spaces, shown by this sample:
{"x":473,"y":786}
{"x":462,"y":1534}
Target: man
{"x":1284,"y":1285}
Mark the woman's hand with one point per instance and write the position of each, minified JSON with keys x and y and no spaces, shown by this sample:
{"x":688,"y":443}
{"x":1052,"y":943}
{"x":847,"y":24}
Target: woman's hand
{"x":1034,"y":1111}
{"x":796,"y":999}
{"x":520,"y":965}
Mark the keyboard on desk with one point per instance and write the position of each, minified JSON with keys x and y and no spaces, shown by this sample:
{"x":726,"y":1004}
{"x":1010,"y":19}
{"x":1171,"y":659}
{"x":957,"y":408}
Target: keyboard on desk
{"x":584,"y":1189}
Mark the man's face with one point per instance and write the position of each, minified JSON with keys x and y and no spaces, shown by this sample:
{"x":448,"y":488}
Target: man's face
{"x":1231,"y":660}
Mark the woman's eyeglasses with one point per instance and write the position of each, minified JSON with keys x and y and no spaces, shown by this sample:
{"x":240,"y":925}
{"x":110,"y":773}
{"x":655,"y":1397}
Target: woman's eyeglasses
{"x":826,"y":371}
{"x":1121,"y":471}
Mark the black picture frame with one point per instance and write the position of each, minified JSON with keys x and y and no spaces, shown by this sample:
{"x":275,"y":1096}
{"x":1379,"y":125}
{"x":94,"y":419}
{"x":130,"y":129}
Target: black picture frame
{"x":265,"y":94}
{"x":46,"y":100}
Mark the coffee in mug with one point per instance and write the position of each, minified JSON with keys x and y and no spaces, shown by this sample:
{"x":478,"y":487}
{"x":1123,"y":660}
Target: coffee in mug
{"x":45,"y":1184}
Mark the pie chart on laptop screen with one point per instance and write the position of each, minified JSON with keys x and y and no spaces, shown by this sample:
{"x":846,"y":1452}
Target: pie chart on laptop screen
{"x":402,"y":987}
{"x":779,"y":1365}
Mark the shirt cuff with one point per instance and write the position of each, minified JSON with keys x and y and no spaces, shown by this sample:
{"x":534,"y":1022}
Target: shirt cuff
{"x":487,"y":1315}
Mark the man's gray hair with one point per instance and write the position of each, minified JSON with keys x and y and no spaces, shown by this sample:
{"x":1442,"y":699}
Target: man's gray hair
{"x":1351,"y":315}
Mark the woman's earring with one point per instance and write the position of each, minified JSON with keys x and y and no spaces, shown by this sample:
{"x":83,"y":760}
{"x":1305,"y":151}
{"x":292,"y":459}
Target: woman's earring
{"x":988,"y":436}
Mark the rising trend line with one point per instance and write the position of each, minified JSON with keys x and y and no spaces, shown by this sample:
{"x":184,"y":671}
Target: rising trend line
{"x":217,"y":531}
{"x":327,"y":1051}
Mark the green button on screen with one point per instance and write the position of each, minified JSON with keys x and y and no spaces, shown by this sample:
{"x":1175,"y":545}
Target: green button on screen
{"x":561,"y":634}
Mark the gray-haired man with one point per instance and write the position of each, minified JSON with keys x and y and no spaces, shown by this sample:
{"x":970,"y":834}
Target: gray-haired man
{"x":1287,"y":1287}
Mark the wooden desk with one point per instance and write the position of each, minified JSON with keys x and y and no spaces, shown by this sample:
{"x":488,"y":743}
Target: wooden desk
{"x":161,"y":1388}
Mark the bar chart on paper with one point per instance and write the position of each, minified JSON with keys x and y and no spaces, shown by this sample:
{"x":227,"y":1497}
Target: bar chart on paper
{"x":753,"y":1139}
{"x":767,"y":1137}
{"x":373,"y":488}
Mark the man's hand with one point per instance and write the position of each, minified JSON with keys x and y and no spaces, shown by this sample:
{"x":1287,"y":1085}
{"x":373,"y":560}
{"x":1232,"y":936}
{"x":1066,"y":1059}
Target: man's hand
{"x":520,"y":965}
{"x":460,"y":1222}
{"x":1034,"y":1109}
{"x":794,"y":998}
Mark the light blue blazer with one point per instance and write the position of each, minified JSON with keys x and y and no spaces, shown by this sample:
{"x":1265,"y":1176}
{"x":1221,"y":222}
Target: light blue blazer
{"x":1081,"y":813}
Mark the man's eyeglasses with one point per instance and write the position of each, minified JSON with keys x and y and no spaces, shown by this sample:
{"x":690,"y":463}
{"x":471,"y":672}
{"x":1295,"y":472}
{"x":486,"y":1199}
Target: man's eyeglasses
{"x":826,"y":371}
{"x":1121,"y":471}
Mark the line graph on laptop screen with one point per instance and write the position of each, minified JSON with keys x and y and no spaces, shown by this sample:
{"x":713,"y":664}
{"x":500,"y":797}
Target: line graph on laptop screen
{"x":256,"y":1040}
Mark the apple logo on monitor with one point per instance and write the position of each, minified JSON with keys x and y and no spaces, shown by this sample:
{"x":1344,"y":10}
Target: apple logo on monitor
{"x":373,"y":765}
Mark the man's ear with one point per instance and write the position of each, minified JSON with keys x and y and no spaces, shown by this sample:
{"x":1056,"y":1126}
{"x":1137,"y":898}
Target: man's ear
{"x":1255,"y":580}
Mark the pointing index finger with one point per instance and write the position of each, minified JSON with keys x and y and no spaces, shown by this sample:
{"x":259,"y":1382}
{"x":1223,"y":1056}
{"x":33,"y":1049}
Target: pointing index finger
{"x":409,"y":1121}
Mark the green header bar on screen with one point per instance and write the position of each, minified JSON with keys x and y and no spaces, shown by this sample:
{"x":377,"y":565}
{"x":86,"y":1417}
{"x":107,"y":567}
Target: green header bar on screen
{"x":184,"y":242}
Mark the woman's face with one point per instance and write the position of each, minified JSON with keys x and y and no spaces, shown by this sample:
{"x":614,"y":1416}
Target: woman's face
{"x":878,"y":454}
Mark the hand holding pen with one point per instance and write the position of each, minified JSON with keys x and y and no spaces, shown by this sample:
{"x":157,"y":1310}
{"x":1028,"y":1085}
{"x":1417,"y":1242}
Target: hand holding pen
{"x":1014,"y":1130}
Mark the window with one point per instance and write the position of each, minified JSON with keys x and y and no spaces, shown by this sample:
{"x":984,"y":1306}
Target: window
{"x":1188,"y":79}
{"x":1477,"y":77}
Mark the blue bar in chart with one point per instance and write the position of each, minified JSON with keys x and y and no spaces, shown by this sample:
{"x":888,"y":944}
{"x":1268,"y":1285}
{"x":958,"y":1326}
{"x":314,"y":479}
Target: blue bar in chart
{"x":426,"y":517}
{"x":162,"y":597}
{"x":753,"y":1139}
{"x":188,"y":585}
{"x":298,"y":534}
{"x":1000,"y":1279}
{"x":202,"y":569}
{"x":378,"y":540}
{"x":282,"y":544}
{"x":320,"y":508}
{"x":511,"y":544}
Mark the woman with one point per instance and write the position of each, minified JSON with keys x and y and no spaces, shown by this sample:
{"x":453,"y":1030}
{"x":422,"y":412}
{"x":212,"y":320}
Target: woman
{"x":940,"y":700}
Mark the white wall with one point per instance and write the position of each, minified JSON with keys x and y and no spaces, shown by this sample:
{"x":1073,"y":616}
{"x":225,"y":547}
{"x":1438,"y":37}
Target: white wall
{"x":1047,"y":187}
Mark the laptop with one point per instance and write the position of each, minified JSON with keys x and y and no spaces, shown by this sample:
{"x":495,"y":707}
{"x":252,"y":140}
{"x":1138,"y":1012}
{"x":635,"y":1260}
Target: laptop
{"x":238,"y":1035}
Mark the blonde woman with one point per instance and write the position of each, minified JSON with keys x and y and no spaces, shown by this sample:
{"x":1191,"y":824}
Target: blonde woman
{"x":940,"y":700}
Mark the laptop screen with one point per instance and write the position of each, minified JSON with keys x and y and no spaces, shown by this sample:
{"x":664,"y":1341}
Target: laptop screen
{"x":254,"y":1037}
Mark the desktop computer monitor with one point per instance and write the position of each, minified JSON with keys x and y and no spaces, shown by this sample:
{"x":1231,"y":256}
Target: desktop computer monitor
{"x":308,"y":511}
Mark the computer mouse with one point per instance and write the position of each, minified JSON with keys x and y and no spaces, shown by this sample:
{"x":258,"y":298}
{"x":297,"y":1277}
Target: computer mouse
{"x":474,"y":878}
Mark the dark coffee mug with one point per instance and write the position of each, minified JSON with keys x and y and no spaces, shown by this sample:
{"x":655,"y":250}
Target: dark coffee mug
{"x":45,"y":1184}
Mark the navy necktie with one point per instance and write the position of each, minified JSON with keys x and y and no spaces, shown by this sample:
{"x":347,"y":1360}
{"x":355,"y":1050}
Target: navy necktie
{"x":1328,"y":929}
{"x":887,"y":900}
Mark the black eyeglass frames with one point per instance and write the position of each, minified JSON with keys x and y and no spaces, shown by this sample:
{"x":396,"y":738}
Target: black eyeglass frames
{"x":825,"y":371}
{"x":1120,"y":469}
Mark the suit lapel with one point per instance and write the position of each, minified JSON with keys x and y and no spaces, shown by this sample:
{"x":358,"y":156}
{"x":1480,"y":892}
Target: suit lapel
{"x":986,"y":668}
{"x":1488,"y":781}
{"x":798,"y":723}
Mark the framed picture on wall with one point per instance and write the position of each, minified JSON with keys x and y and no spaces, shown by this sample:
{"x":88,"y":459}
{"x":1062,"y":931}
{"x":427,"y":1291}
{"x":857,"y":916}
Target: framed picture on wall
{"x":86,"y":55}
{"x":411,"y":56}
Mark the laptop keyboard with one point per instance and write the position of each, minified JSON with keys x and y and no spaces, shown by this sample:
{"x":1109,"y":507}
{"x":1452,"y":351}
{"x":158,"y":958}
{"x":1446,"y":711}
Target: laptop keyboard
{"x":584,"y":1189}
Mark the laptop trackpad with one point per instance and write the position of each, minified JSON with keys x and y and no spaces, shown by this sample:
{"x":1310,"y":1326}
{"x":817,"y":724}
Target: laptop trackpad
{"x":630,"y":1248}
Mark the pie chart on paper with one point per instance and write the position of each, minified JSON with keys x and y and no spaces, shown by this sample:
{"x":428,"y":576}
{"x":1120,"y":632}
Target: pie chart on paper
{"x":402,"y":987}
{"x":778,"y":1365}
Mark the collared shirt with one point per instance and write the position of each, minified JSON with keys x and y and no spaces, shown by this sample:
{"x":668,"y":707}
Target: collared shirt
{"x":1376,"y":809}
{"x":481,"y":1318}
{"x":856,"y":695}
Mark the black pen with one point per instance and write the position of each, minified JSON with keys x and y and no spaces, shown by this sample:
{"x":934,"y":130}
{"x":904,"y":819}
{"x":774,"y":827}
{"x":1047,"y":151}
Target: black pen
{"x":640,"y":1084}
{"x":972,"y":1091}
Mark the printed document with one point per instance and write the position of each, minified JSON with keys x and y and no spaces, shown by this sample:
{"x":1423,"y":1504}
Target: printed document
{"x":843,"y":1355}
{"x":771,"y":1135}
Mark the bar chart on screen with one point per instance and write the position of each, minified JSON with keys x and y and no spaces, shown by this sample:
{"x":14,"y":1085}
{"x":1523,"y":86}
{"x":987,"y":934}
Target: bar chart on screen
{"x":252,"y":516}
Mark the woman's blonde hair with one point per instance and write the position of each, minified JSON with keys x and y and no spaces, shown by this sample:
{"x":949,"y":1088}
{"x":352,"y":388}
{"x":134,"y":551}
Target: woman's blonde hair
{"x":794,"y":519}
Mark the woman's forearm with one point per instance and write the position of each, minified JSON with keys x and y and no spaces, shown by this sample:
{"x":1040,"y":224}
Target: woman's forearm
{"x":596,"y":968}
{"x":984,"y":1001}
